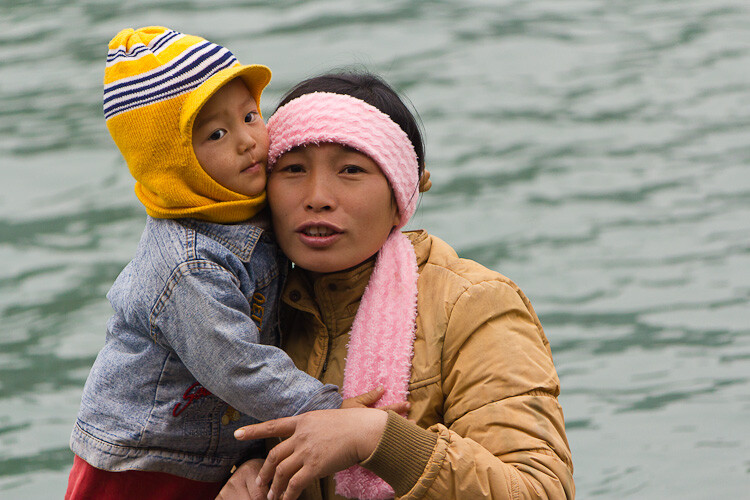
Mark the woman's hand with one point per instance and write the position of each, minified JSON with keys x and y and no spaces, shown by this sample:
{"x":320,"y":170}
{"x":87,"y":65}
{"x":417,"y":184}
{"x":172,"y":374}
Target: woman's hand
{"x":319,"y":443}
{"x":242,"y":484}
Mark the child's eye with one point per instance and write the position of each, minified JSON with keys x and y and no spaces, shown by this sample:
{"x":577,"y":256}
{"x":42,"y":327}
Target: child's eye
{"x":217,"y":134}
{"x":251,"y":116}
{"x":352,"y":169}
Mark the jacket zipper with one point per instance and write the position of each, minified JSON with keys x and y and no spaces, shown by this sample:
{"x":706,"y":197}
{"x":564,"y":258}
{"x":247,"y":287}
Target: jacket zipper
{"x":327,"y":353}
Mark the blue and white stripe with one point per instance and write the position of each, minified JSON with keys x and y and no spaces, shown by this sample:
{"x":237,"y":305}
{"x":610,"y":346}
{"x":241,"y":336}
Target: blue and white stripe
{"x":156,"y":45}
{"x":179,"y":76}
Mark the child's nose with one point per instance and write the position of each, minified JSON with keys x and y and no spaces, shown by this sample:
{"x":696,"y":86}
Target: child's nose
{"x":246,"y":141}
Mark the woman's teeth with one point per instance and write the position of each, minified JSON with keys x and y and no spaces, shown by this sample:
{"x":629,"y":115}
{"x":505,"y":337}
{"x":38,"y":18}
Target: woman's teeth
{"x":318,"y":231}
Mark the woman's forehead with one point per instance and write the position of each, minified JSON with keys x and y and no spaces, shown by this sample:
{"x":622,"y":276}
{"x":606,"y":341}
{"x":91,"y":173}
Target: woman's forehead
{"x":302,"y":147}
{"x":339,"y":148}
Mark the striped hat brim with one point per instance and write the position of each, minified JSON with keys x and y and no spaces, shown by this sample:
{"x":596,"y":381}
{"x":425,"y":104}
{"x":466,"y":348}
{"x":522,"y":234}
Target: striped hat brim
{"x":255,"y":76}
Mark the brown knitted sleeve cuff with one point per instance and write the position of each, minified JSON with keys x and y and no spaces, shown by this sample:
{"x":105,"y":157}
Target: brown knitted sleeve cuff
{"x":402,"y":453}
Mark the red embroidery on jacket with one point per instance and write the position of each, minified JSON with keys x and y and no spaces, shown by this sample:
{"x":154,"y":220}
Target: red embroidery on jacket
{"x":190,"y":396}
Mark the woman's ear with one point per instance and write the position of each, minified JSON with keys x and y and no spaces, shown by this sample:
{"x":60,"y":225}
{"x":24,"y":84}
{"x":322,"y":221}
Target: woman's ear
{"x":394,"y":207}
{"x":396,"y":219}
{"x":424,"y":182}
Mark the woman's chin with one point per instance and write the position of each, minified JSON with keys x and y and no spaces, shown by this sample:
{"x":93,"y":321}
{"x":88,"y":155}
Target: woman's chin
{"x":330,"y":253}
{"x":320,"y":267}
{"x":329,"y":265}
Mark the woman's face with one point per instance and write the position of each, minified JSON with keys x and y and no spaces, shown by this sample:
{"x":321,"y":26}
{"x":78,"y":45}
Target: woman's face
{"x":332,"y":207}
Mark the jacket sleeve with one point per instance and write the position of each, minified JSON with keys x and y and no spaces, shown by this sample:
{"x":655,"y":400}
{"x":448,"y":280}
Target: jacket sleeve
{"x":204,"y":317}
{"x":503,"y":434}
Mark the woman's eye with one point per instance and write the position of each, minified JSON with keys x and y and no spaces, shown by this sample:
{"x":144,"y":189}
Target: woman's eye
{"x":251,"y":116}
{"x":217,"y":134}
{"x":293,"y":168}
{"x":352,"y":169}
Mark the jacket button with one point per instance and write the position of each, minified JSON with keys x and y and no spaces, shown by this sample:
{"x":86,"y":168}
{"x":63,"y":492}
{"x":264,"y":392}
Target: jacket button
{"x":294,"y":295}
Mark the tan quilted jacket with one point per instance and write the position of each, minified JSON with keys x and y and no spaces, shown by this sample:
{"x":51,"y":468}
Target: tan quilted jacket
{"x":483,"y":387}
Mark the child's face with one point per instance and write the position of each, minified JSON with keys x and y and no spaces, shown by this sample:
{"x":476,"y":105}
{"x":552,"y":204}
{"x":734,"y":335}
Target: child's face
{"x":230,"y":140}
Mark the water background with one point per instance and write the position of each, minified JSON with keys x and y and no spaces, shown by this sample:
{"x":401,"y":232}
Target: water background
{"x":595,"y":151}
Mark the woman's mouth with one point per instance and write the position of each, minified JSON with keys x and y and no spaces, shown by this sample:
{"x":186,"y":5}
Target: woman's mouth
{"x":319,"y":235}
{"x":318,"y":231}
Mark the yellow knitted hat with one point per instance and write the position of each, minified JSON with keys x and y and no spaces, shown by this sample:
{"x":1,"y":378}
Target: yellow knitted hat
{"x":155,"y":82}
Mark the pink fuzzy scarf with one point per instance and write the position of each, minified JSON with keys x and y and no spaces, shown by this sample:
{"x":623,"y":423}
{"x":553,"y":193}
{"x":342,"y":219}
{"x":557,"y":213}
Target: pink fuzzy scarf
{"x":382,"y":336}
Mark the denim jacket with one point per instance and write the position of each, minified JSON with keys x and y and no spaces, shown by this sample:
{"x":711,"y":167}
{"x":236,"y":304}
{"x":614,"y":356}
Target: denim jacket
{"x":190,"y":354}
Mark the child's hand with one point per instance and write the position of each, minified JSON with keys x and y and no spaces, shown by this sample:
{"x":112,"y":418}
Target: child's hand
{"x":368,"y":399}
{"x":365,"y":400}
{"x":242,"y":484}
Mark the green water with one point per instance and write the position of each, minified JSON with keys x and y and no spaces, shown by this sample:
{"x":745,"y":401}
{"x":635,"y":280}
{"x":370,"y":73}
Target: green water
{"x":595,"y":151}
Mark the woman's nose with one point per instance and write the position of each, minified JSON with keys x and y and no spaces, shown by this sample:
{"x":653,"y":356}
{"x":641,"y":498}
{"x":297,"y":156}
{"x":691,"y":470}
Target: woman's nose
{"x":320,"y":196}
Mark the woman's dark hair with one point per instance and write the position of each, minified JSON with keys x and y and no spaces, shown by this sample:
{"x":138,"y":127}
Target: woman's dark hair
{"x":371,"y":89}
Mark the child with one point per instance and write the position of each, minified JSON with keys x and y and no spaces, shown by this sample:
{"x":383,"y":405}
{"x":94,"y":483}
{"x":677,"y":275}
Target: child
{"x":190,"y":350}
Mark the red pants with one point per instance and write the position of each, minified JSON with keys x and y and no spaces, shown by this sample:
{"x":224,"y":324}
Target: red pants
{"x":89,"y":483}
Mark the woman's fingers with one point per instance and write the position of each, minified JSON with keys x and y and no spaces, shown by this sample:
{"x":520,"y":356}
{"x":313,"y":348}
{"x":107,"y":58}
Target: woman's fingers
{"x":275,"y":458}
{"x":285,"y":469}
{"x":280,"y":427}
{"x":364,"y":400}
{"x":297,"y":484}
{"x":323,"y":442}
{"x":290,"y":480}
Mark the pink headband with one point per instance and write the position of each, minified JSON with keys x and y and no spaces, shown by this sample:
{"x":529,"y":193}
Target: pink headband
{"x":382,"y":336}
{"x":324,"y":117}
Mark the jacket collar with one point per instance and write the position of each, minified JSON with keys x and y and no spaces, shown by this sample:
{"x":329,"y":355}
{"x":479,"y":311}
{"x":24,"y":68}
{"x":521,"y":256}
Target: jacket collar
{"x":239,"y":238}
{"x":334,"y":298}
{"x":422,"y":245}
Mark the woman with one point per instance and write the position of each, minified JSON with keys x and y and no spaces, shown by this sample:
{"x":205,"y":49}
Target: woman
{"x":367,"y":306}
